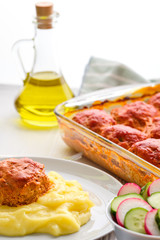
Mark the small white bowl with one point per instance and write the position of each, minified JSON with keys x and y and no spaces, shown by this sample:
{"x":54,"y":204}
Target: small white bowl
{"x":125,"y":234}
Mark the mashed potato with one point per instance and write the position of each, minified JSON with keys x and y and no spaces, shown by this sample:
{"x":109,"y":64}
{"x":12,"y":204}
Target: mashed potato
{"x":62,"y":210}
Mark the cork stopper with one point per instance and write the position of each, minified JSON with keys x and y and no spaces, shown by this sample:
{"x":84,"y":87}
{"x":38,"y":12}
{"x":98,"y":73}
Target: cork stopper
{"x":44,"y":11}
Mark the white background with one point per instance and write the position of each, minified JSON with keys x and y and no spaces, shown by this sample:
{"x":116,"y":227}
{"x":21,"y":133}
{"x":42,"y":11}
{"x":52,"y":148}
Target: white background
{"x":127,"y":31}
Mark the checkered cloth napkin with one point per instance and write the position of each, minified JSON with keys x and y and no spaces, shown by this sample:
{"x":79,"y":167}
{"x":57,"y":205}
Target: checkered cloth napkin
{"x":101,"y":73}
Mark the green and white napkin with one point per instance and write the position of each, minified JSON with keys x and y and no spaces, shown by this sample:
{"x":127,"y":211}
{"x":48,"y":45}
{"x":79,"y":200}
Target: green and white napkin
{"x":101,"y":73}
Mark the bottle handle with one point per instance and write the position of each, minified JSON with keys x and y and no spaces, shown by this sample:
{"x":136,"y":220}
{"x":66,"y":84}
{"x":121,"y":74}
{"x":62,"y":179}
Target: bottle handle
{"x":17,"y":49}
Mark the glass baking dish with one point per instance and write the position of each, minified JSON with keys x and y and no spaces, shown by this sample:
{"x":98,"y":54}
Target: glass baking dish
{"x":100,"y":150}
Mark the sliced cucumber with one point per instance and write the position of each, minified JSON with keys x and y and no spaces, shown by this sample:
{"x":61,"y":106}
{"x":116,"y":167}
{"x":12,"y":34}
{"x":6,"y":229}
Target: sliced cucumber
{"x":144,"y":190}
{"x":134,"y":220}
{"x":157,"y":218}
{"x":117,"y":200}
{"x":154,"y":200}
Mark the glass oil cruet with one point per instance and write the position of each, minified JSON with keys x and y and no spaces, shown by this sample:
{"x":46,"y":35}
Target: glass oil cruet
{"x":44,"y":86}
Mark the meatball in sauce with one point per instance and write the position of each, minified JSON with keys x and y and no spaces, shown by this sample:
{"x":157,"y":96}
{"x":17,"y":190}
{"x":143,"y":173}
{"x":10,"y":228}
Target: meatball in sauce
{"x":22,"y":181}
{"x":123,"y":135}
{"x":137,"y":115}
{"x":94,"y":119}
{"x":148,"y":149}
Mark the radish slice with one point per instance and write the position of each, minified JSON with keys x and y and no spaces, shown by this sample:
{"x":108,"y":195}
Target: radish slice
{"x":150,"y":224}
{"x":129,"y":188}
{"x":127,"y":205}
{"x":154,"y":187}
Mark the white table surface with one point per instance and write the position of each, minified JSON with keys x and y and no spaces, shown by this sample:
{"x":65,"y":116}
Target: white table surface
{"x":18,"y":140}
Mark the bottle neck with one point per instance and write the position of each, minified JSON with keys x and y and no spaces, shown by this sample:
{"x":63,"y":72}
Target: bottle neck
{"x":45,"y":51}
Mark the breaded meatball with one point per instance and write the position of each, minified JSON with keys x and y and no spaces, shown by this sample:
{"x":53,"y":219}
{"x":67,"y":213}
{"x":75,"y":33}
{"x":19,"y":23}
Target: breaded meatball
{"x":22,"y":181}
{"x":94,"y":119}
{"x":148,"y":149}
{"x":137,"y":115}
{"x":155,"y":101}
{"x":123,"y":135}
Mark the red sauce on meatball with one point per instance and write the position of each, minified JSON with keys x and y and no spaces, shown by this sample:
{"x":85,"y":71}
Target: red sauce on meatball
{"x":94,"y":119}
{"x":148,"y":149}
{"x":123,"y":135}
{"x":155,"y":101}
{"x":22,"y":181}
{"x":137,"y":115}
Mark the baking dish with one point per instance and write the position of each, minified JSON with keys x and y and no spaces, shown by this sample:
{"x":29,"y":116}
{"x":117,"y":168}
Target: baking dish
{"x":100,"y":150}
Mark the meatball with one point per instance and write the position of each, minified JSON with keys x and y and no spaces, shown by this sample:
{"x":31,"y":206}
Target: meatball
{"x":22,"y":181}
{"x":94,"y":119}
{"x":148,"y":149}
{"x":154,"y":130}
{"x":137,"y":115}
{"x":123,"y":135}
{"x":155,"y":101}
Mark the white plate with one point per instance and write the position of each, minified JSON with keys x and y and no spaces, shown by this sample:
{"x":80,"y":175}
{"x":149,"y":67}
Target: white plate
{"x":101,"y":187}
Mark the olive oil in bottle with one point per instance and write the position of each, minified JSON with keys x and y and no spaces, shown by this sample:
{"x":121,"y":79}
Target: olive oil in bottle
{"x":39,"y":97}
{"x":45,"y":87}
